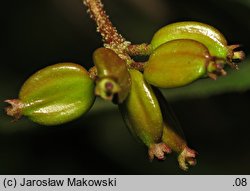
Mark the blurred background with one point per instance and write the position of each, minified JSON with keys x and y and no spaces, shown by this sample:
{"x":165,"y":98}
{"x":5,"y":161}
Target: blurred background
{"x":214,"y":114}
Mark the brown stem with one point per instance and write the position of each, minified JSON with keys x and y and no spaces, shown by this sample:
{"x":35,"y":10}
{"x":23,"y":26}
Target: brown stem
{"x":137,"y":65}
{"x":109,"y":33}
{"x":139,"y":49}
{"x":134,"y":65}
{"x":93,"y":73}
{"x":111,"y":38}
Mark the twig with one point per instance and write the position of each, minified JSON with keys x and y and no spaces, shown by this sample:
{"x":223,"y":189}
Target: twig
{"x":110,"y":36}
{"x":108,"y":32}
{"x":139,"y":49}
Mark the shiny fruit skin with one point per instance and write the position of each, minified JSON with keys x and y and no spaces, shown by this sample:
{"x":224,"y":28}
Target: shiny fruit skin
{"x":110,"y":66}
{"x":172,"y":135}
{"x":57,"y":94}
{"x":141,"y":111}
{"x":177,"y":63}
{"x":203,"y":33}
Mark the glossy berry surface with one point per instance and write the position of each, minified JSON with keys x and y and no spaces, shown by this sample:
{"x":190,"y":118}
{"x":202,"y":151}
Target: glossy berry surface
{"x":113,"y":76}
{"x":141,"y":111}
{"x":177,"y":63}
{"x":203,"y":33}
{"x":57,"y":94}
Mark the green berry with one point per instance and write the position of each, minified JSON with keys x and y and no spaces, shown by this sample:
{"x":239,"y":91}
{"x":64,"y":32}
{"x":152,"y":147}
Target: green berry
{"x":113,"y":81}
{"x":173,"y":135}
{"x":142,"y":115}
{"x":180,"y":62}
{"x":203,"y":33}
{"x":54,"y":95}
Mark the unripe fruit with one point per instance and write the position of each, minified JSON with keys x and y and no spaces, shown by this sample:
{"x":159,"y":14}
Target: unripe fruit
{"x":173,"y":135}
{"x":180,"y":62}
{"x":142,"y":115}
{"x":203,"y":33}
{"x":113,"y":76}
{"x":54,"y":95}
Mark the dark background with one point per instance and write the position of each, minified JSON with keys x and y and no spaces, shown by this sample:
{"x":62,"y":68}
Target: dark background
{"x":39,"y":33}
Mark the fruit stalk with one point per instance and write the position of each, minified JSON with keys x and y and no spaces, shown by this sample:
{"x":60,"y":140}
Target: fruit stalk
{"x":139,"y":49}
{"x":110,"y":36}
{"x":104,"y":26}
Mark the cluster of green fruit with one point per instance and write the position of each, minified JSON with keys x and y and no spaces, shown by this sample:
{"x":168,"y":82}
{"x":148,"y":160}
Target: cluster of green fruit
{"x":180,"y":53}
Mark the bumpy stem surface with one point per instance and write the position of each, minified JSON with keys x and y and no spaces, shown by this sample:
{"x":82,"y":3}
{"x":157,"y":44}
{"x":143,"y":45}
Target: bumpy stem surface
{"x":139,"y":49}
{"x":111,"y":38}
{"x":104,"y":26}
